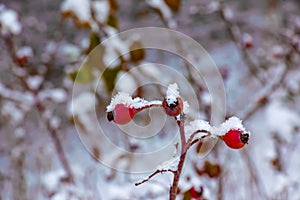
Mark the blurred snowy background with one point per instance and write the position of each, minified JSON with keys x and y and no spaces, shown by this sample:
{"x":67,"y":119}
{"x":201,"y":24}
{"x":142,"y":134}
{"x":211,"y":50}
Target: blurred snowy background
{"x":255,"y":44}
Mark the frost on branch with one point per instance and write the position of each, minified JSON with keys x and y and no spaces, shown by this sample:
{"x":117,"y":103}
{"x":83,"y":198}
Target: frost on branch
{"x":198,"y":125}
{"x":101,"y":10}
{"x":169,"y":164}
{"x":80,"y":10}
{"x":164,"y":10}
{"x":9,"y":22}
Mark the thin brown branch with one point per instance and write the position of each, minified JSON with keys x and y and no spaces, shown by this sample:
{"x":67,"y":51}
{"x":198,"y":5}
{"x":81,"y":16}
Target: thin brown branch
{"x":271,"y":89}
{"x":153,"y":174}
{"x":191,"y":142}
{"x":252,"y":68}
{"x":148,"y":106}
{"x":52,"y":132}
{"x":174,"y":187}
{"x":61,"y":155}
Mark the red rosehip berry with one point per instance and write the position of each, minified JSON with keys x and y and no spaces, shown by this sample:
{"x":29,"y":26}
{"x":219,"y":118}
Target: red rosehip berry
{"x":196,"y":194}
{"x":173,"y":109}
{"x":236,"y":138}
{"x":122,"y":114}
{"x":247,"y":40}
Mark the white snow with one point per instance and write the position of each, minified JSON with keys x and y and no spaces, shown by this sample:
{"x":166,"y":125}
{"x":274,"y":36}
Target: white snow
{"x":247,"y":38}
{"x":81,"y":8}
{"x":51,"y":179}
{"x":169,"y":164}
{"x":206,"y":98}
{"x":186,"y":107}
{"x":83,"y":103}
{"x":125,"y":82}
{"x":55,"y":122}
{"x":231,"y":123}
{"x":277,"y":50}
{"x":25,"y":99}
{"x":34,"y":82}
{"x":114,"y":48}
{"x":20,"y":132}
{"x":12,"y":112}
{"x":9,"y":21}
{"x":197,"y":125}
{"x":228,"y":13}
{"x":165,"y":11}
{"x":172,"y":94}
{"x":25,"y":51}
{"x":69,"y":51}
{"x":282,"y":119}
{"x":58,"y":95}
{"x":126,"y":99}
{"x":82,"y":108}
{"x":120,"y":98}
{"x":213,"y":6}
{"x":101,"y":10}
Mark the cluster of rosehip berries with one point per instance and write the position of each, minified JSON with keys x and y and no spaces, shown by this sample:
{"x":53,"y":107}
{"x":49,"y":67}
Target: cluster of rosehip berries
{"x":123,"y":114}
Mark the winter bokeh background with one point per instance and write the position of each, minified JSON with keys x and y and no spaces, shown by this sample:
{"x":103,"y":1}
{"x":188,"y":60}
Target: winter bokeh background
{"x":255,"y":45}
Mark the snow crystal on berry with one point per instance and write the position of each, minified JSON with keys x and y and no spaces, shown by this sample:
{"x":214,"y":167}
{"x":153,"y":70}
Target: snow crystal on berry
{"x":138,"y":103}
{"x":127,"y":100}
{"x":172,"y":94}
{"x":231,"y":123}
{"x":120,"y":98}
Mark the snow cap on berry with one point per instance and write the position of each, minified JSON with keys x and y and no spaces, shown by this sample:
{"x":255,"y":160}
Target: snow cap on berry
{"x":120,"y":98}
{"x":125,"y":99}
{"x":172,"y":94}
{"x":229,"y":124}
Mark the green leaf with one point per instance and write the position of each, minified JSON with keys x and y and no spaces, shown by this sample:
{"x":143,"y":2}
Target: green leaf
{"x":95,"y":40}
{"x":137,"y":51}
{"x":109,"y":76}
{"x":83,"y":75}
{"x":112,"y":21}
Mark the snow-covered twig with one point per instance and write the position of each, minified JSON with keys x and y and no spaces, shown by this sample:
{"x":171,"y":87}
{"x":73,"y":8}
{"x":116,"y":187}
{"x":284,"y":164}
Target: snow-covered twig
{"x":233,"y":29}
{"x":159,"y":171}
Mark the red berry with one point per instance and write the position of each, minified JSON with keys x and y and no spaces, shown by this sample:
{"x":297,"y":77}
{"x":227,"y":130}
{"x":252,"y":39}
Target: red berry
{"x":174,"y":108}
{"x":196,"y":194}
{"x":122,"y":114}
{"x":247,"y":40}
{"x":236,"y":138}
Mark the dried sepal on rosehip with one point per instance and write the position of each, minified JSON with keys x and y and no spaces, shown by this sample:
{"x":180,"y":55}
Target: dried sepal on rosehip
{"x":172,"y":103}
{"x":174,"y":108}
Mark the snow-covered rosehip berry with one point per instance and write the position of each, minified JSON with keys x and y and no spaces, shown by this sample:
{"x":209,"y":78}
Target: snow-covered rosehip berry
{"x":236,"y":138}
{"x":121,"y":114}
{"x":196,"y":194}
{"x":247,"y":40}
{"x":173,"y":108}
